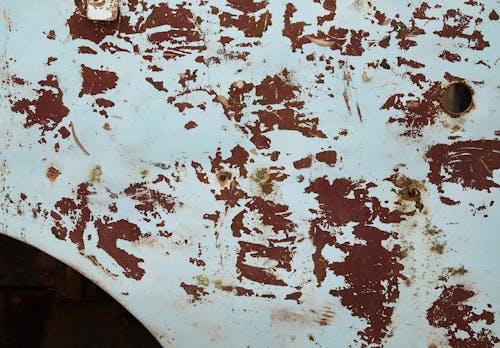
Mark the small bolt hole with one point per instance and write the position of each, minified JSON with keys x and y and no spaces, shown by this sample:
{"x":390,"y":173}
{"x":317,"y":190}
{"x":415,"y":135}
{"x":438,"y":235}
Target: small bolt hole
{"x":223,"y":178}
{"x":457,"y":98}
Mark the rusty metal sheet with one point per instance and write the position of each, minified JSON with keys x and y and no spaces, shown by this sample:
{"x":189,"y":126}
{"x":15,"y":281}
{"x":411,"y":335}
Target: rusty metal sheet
{"x":263,"y":173}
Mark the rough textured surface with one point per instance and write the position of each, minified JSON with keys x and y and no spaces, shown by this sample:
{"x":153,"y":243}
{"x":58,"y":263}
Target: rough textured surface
{"x":285,"y":167}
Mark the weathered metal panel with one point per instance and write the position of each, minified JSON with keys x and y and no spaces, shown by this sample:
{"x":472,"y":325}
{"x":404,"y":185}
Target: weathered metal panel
{"x":257,"y":173}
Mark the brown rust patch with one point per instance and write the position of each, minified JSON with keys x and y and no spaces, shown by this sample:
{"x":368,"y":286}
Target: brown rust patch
{"x":96,"y":81}
{"x":418,"y":112}
{"x":190,"y":125}
{"x":328,"y":157}
{"x":295,"y":296}
{"x":196,"y":292}
{"x":303,"y":163}
{"x":238,"y":159}
{"x":450,"y":57}
{"x":348,"y":41}
{"x":369,"y":266}
{"x":109,"y":233}
{"x":246,"y":19}
{"x":200,"y":173}
{"x":47,"y":110}
{"x":150,"y":202}
{"x":78,"y":213}
{"x":452,"y":313}
{"x":52,"y":173}
{"x":468,"y":163}
{"x":281,"y":108}
{"x":456,"y":24}
{"x":281,"y":255}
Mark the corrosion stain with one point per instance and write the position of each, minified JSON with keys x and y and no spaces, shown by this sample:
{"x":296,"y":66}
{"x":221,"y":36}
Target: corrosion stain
{"x":467,"y":163}
{"x":48,"y":110}
{"x":265,"y":179}
{"x":408,"y":190}
{"x":97,"y":81}
{"x":109,"y":233}
{"x":327,"y":316}
{"x":452,"y":313}
{"x":437,"y":248}
{"x":202,"y":280}
{"x":96,"y":174}
{"x":52,"y":173}
{"x":223,"y":178}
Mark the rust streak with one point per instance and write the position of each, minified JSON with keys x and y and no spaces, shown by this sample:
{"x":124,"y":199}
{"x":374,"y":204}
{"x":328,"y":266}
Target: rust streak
{"x":77,"y":141}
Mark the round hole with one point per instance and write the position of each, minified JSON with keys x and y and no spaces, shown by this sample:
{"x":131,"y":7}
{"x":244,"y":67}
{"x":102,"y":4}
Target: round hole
{"x":457,"y":98}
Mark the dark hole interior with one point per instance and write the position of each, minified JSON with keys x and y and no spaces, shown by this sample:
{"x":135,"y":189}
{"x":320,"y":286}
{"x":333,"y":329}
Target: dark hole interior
{"x":457,"y":98}
{"x":46,"y":304}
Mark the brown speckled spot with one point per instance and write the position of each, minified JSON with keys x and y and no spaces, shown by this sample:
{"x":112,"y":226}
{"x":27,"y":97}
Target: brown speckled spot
{"x":52,"y":173}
